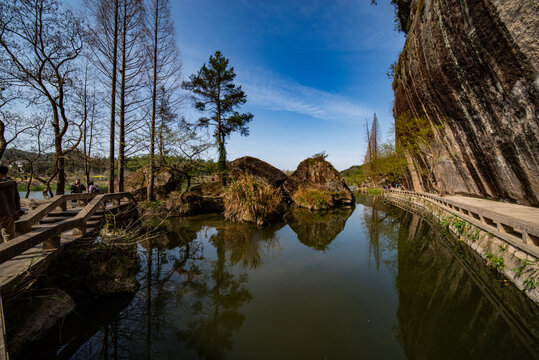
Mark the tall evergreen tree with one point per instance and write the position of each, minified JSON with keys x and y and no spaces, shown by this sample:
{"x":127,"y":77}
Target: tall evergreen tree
{"x":214,"y":92}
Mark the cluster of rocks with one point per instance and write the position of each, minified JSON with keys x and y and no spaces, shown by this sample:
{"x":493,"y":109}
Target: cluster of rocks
{"x":314,"y":185}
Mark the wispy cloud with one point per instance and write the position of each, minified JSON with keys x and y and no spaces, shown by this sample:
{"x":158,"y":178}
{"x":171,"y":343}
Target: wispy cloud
{"x":274,"y":93}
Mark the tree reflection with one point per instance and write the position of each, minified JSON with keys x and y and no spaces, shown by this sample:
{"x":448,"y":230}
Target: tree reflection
{"x":214,"y":313}
{"x":382,"y":221}
{"x":247,"y":244}
{"x":317,"y":229}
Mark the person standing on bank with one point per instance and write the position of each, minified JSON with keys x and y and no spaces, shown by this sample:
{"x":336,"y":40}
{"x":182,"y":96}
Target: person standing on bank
{"x":10,"y":204}
{"x":77,"y":187}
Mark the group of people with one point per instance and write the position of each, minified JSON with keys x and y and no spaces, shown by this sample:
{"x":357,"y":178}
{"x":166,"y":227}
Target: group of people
{"x":10,"y":202}
{"x":78,"y":187}
{"x":394,"y":186}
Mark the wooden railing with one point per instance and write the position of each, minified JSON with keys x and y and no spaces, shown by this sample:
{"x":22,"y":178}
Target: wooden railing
{"x":520,"y":233}
{"x":32,"y":234}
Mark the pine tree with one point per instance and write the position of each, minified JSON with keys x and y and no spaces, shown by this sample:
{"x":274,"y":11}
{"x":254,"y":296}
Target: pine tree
{"x":214,"y":92}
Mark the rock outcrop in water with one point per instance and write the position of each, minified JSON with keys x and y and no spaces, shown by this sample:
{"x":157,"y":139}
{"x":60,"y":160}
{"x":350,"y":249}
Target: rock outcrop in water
{"x":466,"y":94}
{"x":256,"y":167}
{"x":317,"y":185}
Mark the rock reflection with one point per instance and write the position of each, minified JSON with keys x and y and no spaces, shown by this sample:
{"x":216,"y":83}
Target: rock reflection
{"x":246,"y":243}
{"x":317,"y":229}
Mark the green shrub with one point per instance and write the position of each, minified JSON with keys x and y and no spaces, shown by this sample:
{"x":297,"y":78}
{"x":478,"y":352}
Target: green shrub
{"x":313,"y":198}
{"x":251,"y":199}
{"x":376,"y":191}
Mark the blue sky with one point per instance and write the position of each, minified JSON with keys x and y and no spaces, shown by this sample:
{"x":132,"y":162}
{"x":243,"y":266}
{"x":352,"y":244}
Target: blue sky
{"x":313,"y":71}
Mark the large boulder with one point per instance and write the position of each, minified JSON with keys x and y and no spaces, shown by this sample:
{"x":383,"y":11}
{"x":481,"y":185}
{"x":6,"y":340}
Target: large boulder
{"x":248,"y":165}
{"x":165,"y":181}
{"x":316,"y":185}
{"x":193,"y":202}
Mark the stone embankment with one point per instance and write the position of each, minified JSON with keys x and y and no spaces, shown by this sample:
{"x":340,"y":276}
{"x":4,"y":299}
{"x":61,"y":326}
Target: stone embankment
{"x":505,"y":235}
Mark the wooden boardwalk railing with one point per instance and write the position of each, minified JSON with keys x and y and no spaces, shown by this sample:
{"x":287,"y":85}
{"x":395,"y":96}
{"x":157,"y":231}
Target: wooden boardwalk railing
{"x":31,"y":233}
{"x":518,"y":231}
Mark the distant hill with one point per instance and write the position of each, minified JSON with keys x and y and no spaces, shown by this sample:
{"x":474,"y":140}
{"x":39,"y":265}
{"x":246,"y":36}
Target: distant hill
{"x":353,"y":170}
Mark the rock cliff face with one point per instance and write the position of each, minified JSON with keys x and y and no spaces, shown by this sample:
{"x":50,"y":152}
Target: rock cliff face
{"x":467,"y":94}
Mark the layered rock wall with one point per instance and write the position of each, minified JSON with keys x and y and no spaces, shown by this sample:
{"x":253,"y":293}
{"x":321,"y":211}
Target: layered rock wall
{"x":469,"y":72}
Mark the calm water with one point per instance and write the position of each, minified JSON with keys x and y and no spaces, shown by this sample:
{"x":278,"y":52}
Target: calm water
{"x":32,"y":195}
{"x":372,"y":283}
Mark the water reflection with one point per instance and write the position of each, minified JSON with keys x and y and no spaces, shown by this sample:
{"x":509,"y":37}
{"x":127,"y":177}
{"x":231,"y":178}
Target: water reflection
{"x":214,"y":313}
{"x":247,"y":244}
{"x":450,"y":305}
{"x":382,"y":222}
{"x":317,"y":229}
{"x":393,"y":288}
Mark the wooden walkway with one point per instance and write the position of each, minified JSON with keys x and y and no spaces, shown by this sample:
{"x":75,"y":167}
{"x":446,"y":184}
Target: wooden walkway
{"x":516,"y":224}
{"x":60,"y":221}
{"x":53,"y":224}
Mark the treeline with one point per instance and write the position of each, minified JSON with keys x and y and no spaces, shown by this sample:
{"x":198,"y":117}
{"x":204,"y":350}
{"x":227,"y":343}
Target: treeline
{"x":384,"y":162}
{"x":100,"y":88}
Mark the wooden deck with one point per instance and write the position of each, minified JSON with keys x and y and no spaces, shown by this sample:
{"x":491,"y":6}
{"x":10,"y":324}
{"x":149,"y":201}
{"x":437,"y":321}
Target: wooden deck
{"x":46,"y":229}
{"x":58,"y":222}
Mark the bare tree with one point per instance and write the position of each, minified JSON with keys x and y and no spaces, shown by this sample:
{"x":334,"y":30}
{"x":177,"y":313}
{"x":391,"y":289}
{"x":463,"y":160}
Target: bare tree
{"x":11,"y":126}
{"x":88,"y":111}
{"x":371,"y":156}
{"x":132,"y":21}
{"x":37,"y":133}
{"x":103,"y":39}
{"x":41,"y":42}
{"x":164,"y":68}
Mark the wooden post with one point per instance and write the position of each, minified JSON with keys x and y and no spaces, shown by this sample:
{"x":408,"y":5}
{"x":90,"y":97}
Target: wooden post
{"x":52,"y":243}
{"x":3,"y":345}
{"x":80,"y":230}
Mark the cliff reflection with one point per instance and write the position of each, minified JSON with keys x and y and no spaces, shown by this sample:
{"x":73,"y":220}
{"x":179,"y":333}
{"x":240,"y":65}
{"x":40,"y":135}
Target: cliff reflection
{"x":317,"y":229}
{"x":449,"y":305}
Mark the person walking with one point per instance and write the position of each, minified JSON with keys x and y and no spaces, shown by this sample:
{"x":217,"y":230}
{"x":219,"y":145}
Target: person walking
{"x":10,"y":204}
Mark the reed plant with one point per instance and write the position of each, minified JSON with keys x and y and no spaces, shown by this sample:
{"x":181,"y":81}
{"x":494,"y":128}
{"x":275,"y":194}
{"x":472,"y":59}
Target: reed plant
{"x":253,"y":200}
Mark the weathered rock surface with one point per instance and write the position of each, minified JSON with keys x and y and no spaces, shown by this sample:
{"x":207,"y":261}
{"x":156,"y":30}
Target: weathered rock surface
{"x":256,"y":167}
{"x":315,"y":177}
{"x":471,"y":69}
{"x":165,"y":181}
{"x":193,"y":202}
{"x":40,"y":315}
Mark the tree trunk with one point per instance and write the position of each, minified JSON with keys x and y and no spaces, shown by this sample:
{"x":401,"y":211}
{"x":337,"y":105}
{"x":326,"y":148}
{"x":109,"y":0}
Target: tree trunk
{"x":3,"y":142}
{"x":150,"y":193}
{"x":85,"y":128}
{"x":121,"y":145}
{"x":113,"y":100}
{"x":29,"y":183}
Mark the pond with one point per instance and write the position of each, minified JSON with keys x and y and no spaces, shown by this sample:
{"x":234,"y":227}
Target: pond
{"x":375,"y":282}
{"x":33,"y":195}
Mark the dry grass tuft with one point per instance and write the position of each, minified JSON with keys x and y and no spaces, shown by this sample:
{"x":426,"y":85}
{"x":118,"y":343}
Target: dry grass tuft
{"x":250,"y":199}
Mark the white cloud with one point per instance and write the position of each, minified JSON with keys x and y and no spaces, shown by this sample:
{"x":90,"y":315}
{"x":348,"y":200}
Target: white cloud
{"x":274,"y":93}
